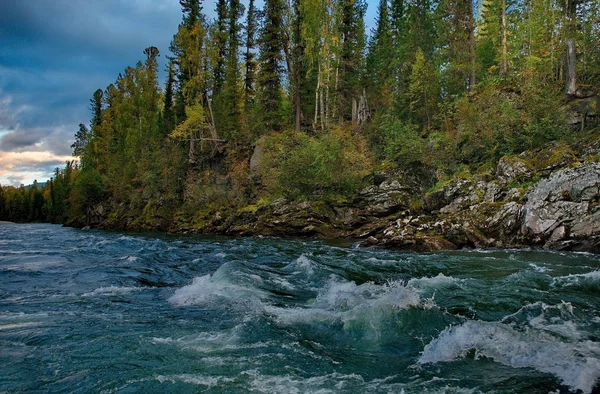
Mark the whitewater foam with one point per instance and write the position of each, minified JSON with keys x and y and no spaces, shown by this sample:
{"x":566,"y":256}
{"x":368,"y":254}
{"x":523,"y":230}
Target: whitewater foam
{"x":214,"y":290}
{"x":440,"y":280}
{"x":576,"y":364}
{"x":588,"y":278}
{"x":198,"y":380}
{"x":365,"y":305}
{"x":111,"y":291}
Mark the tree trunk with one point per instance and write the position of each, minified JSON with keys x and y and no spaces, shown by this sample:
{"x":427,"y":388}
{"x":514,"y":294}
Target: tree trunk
{"x":471,"y":27}
{"x":504,"y":67}
{"x":571,"y":63}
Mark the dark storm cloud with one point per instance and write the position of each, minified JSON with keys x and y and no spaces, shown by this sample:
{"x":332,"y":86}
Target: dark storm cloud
{"x":53,"y":55}
{"x":18,"y":139}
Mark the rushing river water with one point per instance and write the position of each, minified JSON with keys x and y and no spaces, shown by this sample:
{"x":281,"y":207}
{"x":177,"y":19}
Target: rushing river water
{"x":91,"y":311}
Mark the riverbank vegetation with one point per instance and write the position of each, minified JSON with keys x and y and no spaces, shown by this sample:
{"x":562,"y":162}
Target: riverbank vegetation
{"x":296,"y":100}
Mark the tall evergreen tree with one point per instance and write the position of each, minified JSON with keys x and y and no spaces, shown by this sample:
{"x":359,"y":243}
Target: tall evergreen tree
{"x":249,"y":56}
{"x":168,"y":115}
{"x":351,"y":57}
{"x":232,"y":101}
{"x":96,"y":107}
{"x":82,"y":139}
{"x":379,"y":66}
{"x":220,"y":43}
{"x":269,"y":94}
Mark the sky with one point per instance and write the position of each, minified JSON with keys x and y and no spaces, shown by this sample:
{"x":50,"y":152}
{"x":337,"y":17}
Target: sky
{"x":54,"y":54}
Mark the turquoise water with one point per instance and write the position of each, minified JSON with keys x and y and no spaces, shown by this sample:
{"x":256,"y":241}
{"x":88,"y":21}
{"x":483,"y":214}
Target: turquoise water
{"x":91,"y":311}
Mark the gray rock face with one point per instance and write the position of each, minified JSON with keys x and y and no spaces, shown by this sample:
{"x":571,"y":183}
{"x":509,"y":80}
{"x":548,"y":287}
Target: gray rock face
{"x":452,"y":198}
{"x":560,"y":207}
{"x":257,"y":156}
{"x":505,"y":222}
{"x":392,"y":192}
{"x":512,"y":169}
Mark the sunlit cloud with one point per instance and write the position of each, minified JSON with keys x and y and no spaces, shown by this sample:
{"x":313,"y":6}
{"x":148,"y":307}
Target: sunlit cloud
{"x":24,"y":167}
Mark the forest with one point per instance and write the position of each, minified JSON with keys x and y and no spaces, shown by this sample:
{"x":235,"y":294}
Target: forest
{"x":299,"y":100}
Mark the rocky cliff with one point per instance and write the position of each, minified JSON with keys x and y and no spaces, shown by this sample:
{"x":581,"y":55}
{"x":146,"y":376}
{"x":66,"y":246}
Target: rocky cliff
{"x":544,"y":199}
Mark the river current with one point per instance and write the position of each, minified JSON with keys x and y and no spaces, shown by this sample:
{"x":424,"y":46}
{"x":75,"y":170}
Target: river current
{"x":93,"y":311}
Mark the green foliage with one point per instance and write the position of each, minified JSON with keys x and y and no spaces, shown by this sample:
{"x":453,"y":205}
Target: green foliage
{"x":403,"y":143}
{"x":423,"y":90}
{"x":269,"y":89}
{"x":300,"y":166}
{"x":499,"y":121}
{"x":88,"y":190}
{"x":188,"y":150}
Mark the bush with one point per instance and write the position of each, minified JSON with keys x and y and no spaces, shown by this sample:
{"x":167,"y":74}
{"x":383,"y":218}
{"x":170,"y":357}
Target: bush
{"x":403,"y":143}
{"x":88,"y":190}
{"x":497,"y":121}
{"x":330,"y":165}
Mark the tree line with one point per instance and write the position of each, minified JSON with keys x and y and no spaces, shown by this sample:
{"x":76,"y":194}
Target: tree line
{"x":449,"y":83}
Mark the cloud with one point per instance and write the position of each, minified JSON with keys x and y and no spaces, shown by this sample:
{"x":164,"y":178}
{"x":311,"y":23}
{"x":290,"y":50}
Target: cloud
{"x":19,"y":139}
{"x":24,"y":167}
{"x":53,"y":55}
{"x":29,"y":160}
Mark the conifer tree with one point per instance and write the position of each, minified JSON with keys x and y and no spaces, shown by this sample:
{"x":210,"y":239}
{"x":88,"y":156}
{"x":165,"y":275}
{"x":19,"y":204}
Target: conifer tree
{"x":379,"y":58}
{"x":249,"y":56}
{"x":269,"y":94}
{"x":351,"y":57}
{"x":220,"y":44}
{"x":232,"y":99}
{"x":423,"y":91}
{"x":82,"y":138}
{"x":168,"y":115}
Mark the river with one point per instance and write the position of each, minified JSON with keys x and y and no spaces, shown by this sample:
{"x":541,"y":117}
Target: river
{"x":94,"y":311}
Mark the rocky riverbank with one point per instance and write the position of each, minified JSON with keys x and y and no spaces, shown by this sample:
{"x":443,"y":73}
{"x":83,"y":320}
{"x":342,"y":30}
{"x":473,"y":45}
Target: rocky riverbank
{"x":544,"y":199}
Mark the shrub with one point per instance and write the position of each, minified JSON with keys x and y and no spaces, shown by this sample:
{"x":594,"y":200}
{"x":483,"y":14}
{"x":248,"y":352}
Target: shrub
{"x":330,"y":165}
{"x":403,"y":143}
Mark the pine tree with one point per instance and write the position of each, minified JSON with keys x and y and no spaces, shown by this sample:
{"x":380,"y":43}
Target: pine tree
{"x":423,"y":91}
{"x":249,"y":56}
{"x":232,"y":94}
{"x":379,"y":66}
{"x":269,"y":94}
{"x":460,"y":53}
{"x":168,"y":115}
{"x":96,"y":107}
{"x":351,"y":58}
{"x":220,"y":43}
{"x":82,"y":138}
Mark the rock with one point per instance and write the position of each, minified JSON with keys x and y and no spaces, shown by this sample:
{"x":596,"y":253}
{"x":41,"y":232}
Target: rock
{"x":583,"y":111}
{"x":512,"y":169}
{"x":493,"y":192}
{"x":434,"y":201}
{"x":558,"y":234}
{"x":562,"y":199}
{"x":513,"y":194}
{"x":434,"y":243}
{"x":460,"y":195}
{"x":570,"y":184}
{"x":257,"y":156}
{"x":586,"y":226}
{"x":451,"y":198}
{"x":370,"y":241}
{"x":506,"y":221}
{"x":384,"y":199}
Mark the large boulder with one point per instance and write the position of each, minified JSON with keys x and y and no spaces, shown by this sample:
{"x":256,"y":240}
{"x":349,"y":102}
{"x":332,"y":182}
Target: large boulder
{"x":563,"y":206}
{"x":452,"y":198}
{"x":393,"y":192}
{"x":511,"y":169}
